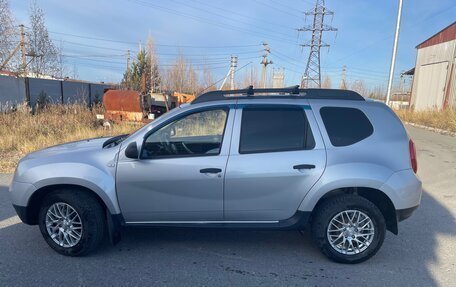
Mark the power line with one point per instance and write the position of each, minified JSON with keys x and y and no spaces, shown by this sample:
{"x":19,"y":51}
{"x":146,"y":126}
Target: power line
{"x":136,"y":43}
{"x":277,"y":9}
{"x":234,"y":12}
{"x":215,"y":83}
{"x":205,"y":20}
{"x":233,"y":20}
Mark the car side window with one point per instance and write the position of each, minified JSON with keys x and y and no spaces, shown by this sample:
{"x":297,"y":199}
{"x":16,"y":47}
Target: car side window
{"x":197,"y":134}
{"x":273,"y":129}
{"x":345,"y":126}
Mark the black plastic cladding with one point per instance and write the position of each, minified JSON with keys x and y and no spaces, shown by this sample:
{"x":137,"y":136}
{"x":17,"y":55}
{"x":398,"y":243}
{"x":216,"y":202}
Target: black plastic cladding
{"x":288,"y":93}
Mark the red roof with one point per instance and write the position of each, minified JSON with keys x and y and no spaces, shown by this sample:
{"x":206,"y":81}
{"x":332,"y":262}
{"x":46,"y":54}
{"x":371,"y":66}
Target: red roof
{"x":445,"y":35}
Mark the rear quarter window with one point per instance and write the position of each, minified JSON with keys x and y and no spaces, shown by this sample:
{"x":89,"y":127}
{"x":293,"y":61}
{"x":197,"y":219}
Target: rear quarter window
{"x":345,"y":126}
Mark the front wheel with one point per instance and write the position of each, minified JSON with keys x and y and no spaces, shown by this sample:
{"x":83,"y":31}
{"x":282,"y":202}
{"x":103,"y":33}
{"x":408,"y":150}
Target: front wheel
{"x":72,"y":222}
{"x":348,"y":228}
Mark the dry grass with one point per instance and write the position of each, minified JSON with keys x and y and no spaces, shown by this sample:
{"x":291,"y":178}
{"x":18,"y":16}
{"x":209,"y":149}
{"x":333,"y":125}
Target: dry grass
{"x":21,"y":132}
{"x":445,"y":120}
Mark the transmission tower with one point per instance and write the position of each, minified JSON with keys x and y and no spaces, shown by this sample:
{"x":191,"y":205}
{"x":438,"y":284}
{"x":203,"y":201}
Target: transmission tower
{"x":265,"y":62}
{"x":312,"y":75}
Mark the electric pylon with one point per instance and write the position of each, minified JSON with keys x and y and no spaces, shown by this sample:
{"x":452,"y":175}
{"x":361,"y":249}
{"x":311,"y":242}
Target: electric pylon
{"x":312,"y":75}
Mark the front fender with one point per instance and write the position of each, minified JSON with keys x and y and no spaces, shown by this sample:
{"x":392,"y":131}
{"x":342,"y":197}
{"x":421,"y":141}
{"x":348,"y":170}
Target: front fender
{"x":100,"y":181}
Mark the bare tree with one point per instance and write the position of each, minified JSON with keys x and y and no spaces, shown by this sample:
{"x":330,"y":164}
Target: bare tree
{"x":40,"y":46}
{"x":327,"y":82}
{"x":249,"y":78}
{"x":360,"y":87}
{"x":378,"y":92}
{"x":208,"y":79}
{"x":8,"y":36}
{"x":154,"y":73}
{"x":181,"y":77}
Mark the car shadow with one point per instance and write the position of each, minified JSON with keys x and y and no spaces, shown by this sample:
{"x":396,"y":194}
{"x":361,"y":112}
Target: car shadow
{"x":226,"y":257}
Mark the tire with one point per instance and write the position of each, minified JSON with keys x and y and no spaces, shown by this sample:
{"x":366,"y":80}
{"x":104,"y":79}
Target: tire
{"x":359,"y":207}
{"x":91,"y":217}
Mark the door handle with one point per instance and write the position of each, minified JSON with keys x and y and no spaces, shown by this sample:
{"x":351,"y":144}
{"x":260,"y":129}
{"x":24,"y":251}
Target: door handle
{"x":304,"y":166}
{"x":210,"y":170}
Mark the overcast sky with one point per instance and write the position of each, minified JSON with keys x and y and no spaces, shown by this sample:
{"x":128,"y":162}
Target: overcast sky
{"x":211,"y":31}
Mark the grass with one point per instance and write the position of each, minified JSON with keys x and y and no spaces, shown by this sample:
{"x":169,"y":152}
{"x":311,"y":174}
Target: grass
{"x":21,"y":132}
{"x":445,"y":120}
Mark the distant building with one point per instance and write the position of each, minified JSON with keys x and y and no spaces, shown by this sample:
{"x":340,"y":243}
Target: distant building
{"x":434,"y":83}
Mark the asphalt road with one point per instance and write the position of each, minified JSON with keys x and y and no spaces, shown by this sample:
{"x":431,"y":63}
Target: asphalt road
{"x":424,"y":253}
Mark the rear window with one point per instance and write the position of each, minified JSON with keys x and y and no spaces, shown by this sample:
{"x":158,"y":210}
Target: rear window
{"x":273,"y":129}
{"x":345,"y":126}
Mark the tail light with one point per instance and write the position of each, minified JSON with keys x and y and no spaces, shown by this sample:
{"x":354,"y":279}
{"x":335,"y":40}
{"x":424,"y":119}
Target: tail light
{"x":412,"y":152}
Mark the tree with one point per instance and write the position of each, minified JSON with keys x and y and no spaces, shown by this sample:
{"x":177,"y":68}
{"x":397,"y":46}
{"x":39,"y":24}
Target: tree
{"x":249,"y":78}
{"x":142,"y":77}
{"x":360,"y":87}
{"x":40,"y":46}
{"x":208,"y":79}
{"x":181,"y":77}
{"x":327,"y":82}
{"x":8,"y":36}
{"x":154,"y":73}
{"x":139,"y":78}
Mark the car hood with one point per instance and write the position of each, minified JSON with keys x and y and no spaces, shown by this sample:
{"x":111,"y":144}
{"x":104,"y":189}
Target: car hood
{"x":71,"y":147}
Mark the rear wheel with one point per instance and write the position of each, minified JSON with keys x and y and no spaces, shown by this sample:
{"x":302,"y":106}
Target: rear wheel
{"x":348,"y":228}
{"x":72,"y":222}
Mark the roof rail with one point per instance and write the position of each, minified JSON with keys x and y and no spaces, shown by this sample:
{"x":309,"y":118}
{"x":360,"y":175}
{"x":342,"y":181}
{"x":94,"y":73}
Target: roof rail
{"x":293,"y":92}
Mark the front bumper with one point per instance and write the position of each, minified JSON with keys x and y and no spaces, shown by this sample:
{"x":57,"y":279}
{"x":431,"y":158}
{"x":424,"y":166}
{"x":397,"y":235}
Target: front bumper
{"x":22,"y":212}
{"x":20,"y":192}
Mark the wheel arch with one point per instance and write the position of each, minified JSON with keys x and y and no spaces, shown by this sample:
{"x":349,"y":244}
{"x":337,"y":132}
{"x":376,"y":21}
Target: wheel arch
{"x":376,"y":196}
{"x":37,"y":197}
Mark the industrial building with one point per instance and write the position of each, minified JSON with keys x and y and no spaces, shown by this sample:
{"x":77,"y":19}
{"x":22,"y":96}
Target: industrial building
{"x":434,"y":83}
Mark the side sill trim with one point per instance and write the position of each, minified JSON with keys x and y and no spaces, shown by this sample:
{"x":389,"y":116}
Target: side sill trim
{"x":201,"y":222}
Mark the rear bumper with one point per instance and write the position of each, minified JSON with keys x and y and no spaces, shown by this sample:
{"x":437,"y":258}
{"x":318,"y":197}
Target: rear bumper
{"x":403,"y":214}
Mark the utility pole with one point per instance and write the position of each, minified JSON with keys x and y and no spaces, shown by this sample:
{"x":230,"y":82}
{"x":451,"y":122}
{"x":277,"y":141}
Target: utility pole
{"x":24,"y":61}
{"x":232,"y":69}
{"x":265,"y":62}
{"x":230,"y":74}
{"x":393,"y":57}
{"x":312,"y":73}
{"x":128,"y":69}
{"x":343,"y":84}
{"x":21,"y":46}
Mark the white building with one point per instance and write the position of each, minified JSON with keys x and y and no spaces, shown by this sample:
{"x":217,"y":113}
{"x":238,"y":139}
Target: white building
{"x":434,"y":83}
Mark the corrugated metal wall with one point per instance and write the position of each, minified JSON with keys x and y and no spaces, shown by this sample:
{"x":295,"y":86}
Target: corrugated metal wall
{"x":14,"y":91}
{"x":426,"y":93}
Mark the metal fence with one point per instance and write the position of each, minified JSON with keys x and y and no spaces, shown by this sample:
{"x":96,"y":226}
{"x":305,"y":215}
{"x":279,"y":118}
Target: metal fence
{"x":14,"y":91}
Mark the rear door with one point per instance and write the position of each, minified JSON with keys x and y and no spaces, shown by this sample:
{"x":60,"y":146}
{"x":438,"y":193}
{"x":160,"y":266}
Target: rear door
{"x":276,"y":156}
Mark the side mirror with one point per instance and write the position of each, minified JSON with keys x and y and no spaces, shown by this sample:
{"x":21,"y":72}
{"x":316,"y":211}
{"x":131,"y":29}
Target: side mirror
{"x":132,"y":151}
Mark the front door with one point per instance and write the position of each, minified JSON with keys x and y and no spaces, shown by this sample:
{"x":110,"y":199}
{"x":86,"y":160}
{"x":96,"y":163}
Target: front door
{"x":179,"y":176}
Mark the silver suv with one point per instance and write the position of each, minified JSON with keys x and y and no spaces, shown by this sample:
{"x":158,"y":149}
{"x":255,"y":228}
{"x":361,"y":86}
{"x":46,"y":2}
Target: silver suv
{"x":252,"y":158}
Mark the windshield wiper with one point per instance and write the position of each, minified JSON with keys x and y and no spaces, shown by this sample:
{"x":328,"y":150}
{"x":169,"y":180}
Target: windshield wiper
{"x":114,"y":141}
